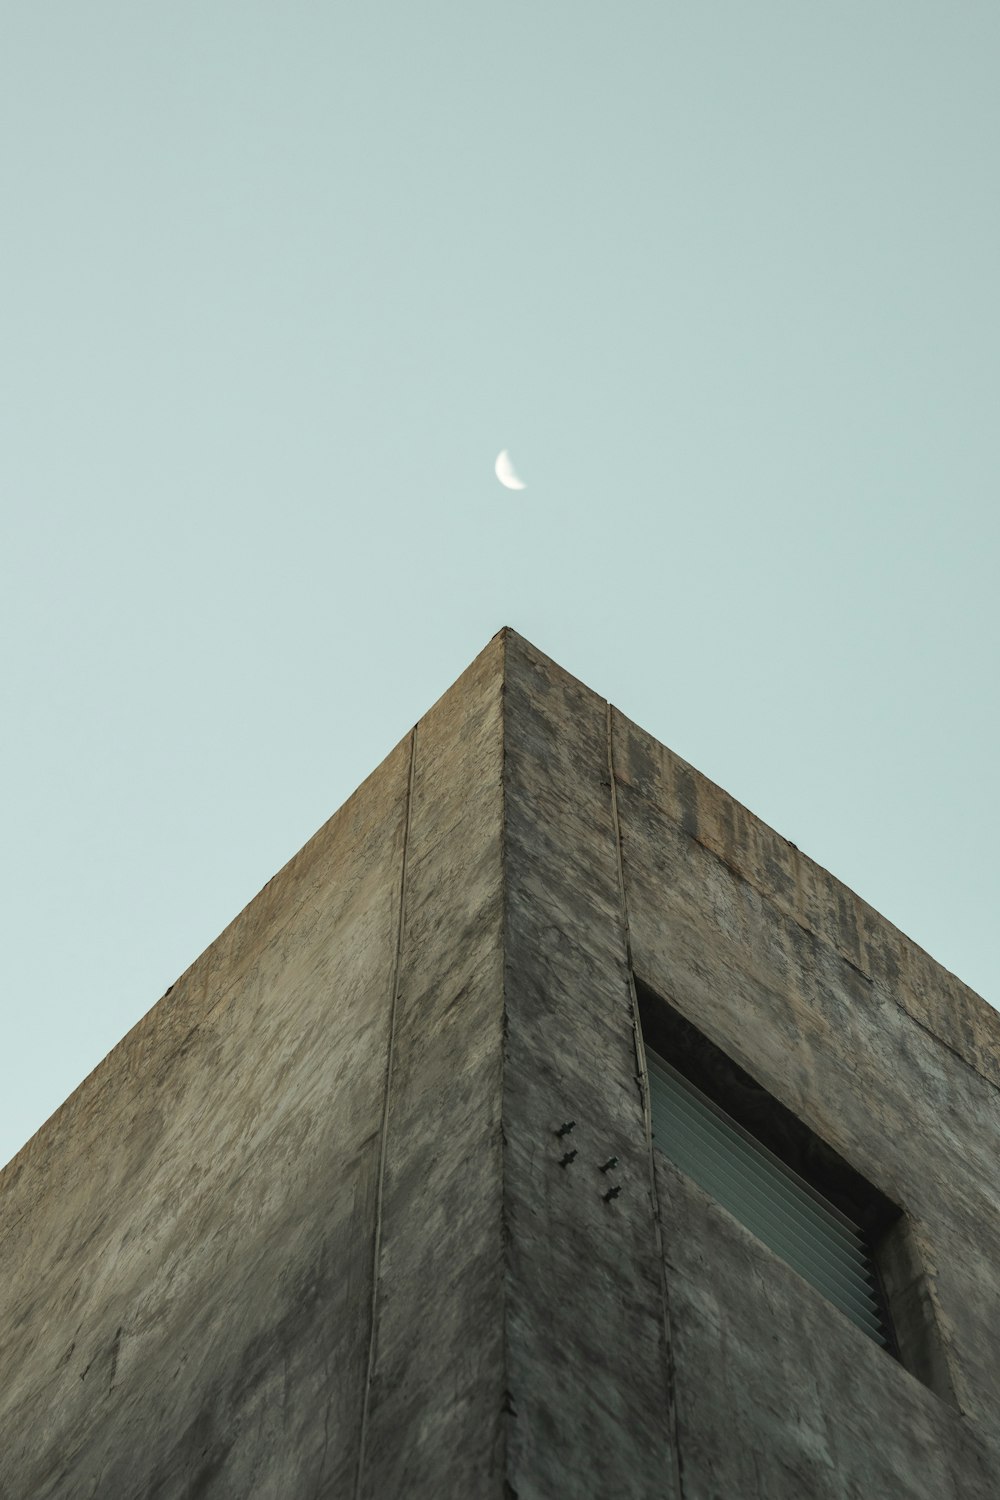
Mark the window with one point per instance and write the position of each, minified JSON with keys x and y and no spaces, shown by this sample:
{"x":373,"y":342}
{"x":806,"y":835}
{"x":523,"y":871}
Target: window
{"x":770,"y":1171}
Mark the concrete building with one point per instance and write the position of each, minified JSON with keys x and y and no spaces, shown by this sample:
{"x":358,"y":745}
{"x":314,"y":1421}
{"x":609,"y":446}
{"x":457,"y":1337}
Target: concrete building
{"x":547,"y":1128}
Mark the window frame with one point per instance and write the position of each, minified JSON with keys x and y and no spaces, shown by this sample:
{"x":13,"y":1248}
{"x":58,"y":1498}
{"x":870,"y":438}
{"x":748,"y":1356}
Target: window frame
{"x":892,"y":1244}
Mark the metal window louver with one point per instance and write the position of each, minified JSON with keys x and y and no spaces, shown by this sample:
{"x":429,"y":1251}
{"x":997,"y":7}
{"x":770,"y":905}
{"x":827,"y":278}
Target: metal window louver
{"x":771,"y":1200}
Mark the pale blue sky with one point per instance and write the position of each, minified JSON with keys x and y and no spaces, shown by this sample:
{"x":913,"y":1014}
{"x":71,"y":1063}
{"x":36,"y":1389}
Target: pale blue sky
{"x":279,"y":281}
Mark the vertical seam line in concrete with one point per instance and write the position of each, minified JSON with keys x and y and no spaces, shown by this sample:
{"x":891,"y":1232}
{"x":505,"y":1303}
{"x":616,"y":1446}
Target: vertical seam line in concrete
{"x":643,"y":1078}
{"x":506,"y":1397}
{"x":384,"y":1130}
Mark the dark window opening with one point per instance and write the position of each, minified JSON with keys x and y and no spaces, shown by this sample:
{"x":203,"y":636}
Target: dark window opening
{"x":792,"y":1190}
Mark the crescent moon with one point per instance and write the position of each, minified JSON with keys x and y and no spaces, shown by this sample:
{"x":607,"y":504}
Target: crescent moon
{"x":505,"y":472}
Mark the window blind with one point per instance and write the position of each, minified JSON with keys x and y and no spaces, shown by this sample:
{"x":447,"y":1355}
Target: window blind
{"x":771,"y":1200}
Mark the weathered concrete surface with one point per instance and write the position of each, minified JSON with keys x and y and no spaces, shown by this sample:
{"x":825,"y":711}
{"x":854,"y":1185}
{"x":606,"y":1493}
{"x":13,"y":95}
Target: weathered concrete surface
{"x":810,"y":896}
{"x":175,"y":1234}
{"x":587,"y":1358}
{"x":434,"y":1425}
{"x":889,"y":1059}
{"x":187,"y":1247}
{"x":779,"y":1398}
{"x":308,"y":1232}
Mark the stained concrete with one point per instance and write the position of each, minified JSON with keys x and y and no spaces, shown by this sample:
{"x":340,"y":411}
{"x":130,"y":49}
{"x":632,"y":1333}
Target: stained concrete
{"x":435,"y":1414}
{"x":312,"y":1229}
{"x":813,"y":994}
{"x":175,"y":1234}
{"x":587,"y":1356}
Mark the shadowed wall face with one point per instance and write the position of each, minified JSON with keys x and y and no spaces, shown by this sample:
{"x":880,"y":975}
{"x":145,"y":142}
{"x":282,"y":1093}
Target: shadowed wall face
{"x":835,"y":1013}
{"x":765,"y":1388}
{"x":587,"y":1355}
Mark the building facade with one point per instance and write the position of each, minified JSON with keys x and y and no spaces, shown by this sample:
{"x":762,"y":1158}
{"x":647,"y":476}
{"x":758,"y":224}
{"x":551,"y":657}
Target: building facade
{"x":547,"y":1129}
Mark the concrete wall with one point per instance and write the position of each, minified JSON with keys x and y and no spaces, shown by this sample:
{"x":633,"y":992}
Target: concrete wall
{"x":730,"y":1377}
{"x":317,"y":1226}
{"x":890,"y":1060}
{"x":588,"y":1365}
{"x":187,"y":1247}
